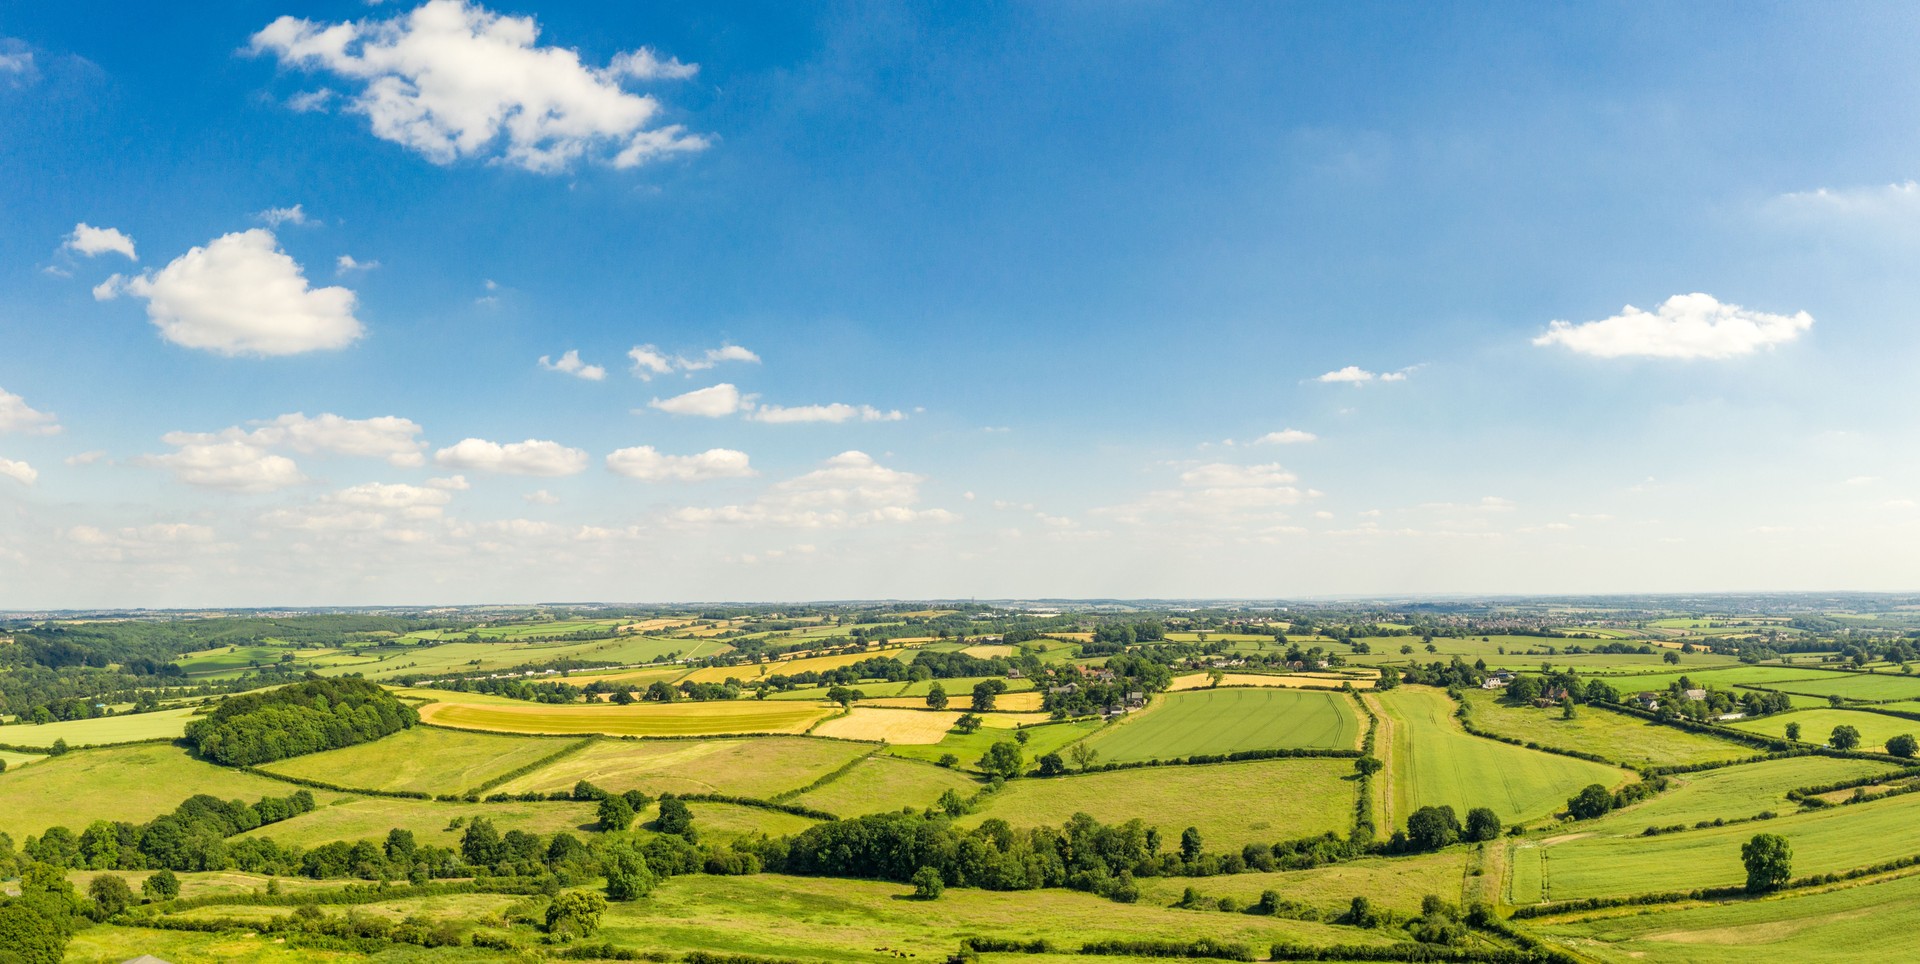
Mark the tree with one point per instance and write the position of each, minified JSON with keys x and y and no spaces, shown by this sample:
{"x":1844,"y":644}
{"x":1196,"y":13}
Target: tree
{"x":1431,"y":828}
{"x":160,"y":885}
{"x":1051,"y":765}
{"x":674,"y":817}
{"x":480,"y":845}
{"x":575,"y":913}
{"x":1844,"y":737}
{"x":927,"y":884}
{"x":1191,"y":846}
{"x":947,"y":760}
{"x":967,"y":723}
{"x":1769,"y":862}
{"x":1367,"y":766}
{"x":1793,"y":732}
{"x":29,"y":936}
{"x":1903,"y":746}
{"x":1482,"y":824}
{"x":1836,"y":700}
{"x":1567,"y":711}
{"x":110,"y":894}
{"x":1593,"y":801}
{"x":1003,"y":759}
{"x":1671,"y":657}
{"x":628,"y":876}
{"x":1083,"y":756}
{"x":984,"y":693}
{"x":1360,"y":913}
{"x":615,"y":813}
{"x":937,"y":697}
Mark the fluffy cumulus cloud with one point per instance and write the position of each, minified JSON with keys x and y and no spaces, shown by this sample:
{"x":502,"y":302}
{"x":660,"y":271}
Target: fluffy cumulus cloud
{"x":89,"y":240}
{"x":19,"y":472}
{"x":454,"y":80}
{"x":850,"y":489}
{"x":392,"y":495}
{"x":570,"y":364}
{"x":1687,"y":327}
{"x":1286,"y":436}
{"x":19,"y":418}
{"x":531,"y":457}
{"x":275,"y":217}
{"x":648,"y":465}
{"x":717,"y":401}
{"x":1220,"y":492}
{"x":834,"y":412}
{"x":649,"y":360}
{"x":242,"y":295}
{"x":224,"y":461}
{"x":383,"y":437}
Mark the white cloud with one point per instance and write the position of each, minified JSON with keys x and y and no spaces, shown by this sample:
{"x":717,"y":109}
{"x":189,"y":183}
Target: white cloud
{"x":89,"y":240}
{"x":242,"y":295}
{"x":649,"y":360}
{"x":1286,"y":436}
{"x":835,"y":412}
{"x":571,"y":364}
{"x":109,"y":289}
{"x":17,"y":417}
{"x":1900,"y":200}
{"x":541,"y":497}
{"x":310,"y":101}
{"x":1220,"y":492}
{"x":275,"y":217}
{"x":716,"y":401}
{"x":452,"y":483}
{"x":383,"y":437}
{"x":648,"y":465}
{"x":414,"y":501}
{"x":1352,"y":374}
{"x":20,"y":472}
{"x":86,"y":458}
{"x":1685,"y":327}
{"x":644,"y":64}
{"x":531,"y":457}
{"x":347,"y":264}
{"x":224,"y":461}
{"x":453,"y":80}
{"x":850,"y":489}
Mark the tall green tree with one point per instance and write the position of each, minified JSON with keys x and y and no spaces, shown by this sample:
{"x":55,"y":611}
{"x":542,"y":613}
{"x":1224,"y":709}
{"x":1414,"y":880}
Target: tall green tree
{"x":1769,"y":862}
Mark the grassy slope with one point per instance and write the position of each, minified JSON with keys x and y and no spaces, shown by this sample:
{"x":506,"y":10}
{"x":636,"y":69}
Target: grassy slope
{"x":135,"y":783}
{"x":426,"y":759}
{"x":1396,"y":884}
{"x":1730,"y":793}
{"x":133,"y":727}
{"x":884,"y":783}
{"x":753,"y":767}
{"x":969,"y":747}
{"x":1816,"y":725}
{"x":1620,"y":737}
{"x":369,"y":818}
{"x":1227,"y":720}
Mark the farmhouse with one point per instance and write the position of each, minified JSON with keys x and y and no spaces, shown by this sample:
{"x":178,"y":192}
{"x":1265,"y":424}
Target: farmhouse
{"x":1646,"y":701}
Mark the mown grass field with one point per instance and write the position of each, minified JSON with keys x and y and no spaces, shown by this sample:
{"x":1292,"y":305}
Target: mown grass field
{"x":14,"y":760}
{"x":1847,"y":924}
{"x":1823,"y":841}
{"x":1231,"y":803}
{"x":104,"y":731}
{"x":1229,"y":720}
{"x":1726,"y":679}
{"x":1730,"y":793}
{"x":1816,"y":726}
{"x":426,"y":759}
{"x":882,"y":783}
{"x":969,"y":747}
{"x":671,"y":719}
{"x":880,"y":724}
{"x":751,"y":767}
{"x":369,"y":818}
{"x":1434,"y":762}
{"x":1620,"y":737}
{"x":719,"y":822}
{"x":1397,"y":884}
{"x":131,"y":783}
{"x":1856,"y":686}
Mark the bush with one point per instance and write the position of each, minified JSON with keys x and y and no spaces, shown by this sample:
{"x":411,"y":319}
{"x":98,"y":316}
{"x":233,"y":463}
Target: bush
{"x":1482,"y":824}
{"x":927,"y":884}
{"x":1594,"y":801}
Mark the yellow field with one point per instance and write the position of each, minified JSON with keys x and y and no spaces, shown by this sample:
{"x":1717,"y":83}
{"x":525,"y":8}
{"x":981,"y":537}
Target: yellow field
{"x":758,"y":766}
{"x":720,"y":674}
{"x":1009,"y":721}
{"x":638,"y":677}
{"x":989,"y":651}
{"x":1200,"y":681}
{"x":1027,"y":702}
{"x":653,"y":625}
{"x":891,"y":726}
{"x":672,"y":719}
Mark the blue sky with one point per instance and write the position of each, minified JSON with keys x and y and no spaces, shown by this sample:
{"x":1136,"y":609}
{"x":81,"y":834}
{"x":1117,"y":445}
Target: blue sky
{"x":993,"y":300}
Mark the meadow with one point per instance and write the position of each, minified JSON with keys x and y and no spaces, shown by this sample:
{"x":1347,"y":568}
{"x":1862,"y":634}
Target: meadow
{"x":884,"y":783}
{"x":346,"y":817}
{"x":131,"y":783}
{"x":424,"y":759}
{"x":1196,"y":681}
{"x":1855,"y":686}
{"x":102,"y":731}
{"x":669,"y":719}
{"x":759,"y":767}
{"x":1222,"y":721}
{"x":789,"y":667}
{"x":1730,"y":793}
{"x":969,"y":747}
{"x":1399,"y":883}
{"x":1816,"y":726}
{"x":1623,"y":738}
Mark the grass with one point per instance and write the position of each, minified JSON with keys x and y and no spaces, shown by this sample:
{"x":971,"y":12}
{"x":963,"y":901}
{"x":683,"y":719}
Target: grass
{"x":1823,"y":841}
{"x":104,"y":731}
{"x":720,"y":822}
{"x":425,"y":758}
{"x":1198,"y":681}
{"x":969,"y":747}
{"x":369,"y":818}
{"x":1622,"y":738}
{"x":1816,"y":725}
{"x":671,"y":719}
{"x":15,"y":760}
{"x":1434,"y":762}
{"x":883,"y":783}
{"x":1397,"y":884}
{"x":1726,"y":679}
{"x":751,"y":671}
{"x":1731,"y":793}
{"x":1231,"y":803}
{"x":106,"y":944}
{"x":1224,"y":721}
{"x":1848,"y":924}
{"x":1857,"y":686}
{"x":751,"y":767}
{"x":133,"y":783}
{"x":890,"y":725}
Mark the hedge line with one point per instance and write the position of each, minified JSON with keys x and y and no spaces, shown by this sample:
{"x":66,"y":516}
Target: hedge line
{"x":1205,"y":759}
{"x":23,"y":748}
{"x":792,"y":808}
{"x":1797,"y":793}
{"x":1416,"y":952}
{"x":518,"y":772}
{"x":335,"y":787}
{"x":837,"y":773}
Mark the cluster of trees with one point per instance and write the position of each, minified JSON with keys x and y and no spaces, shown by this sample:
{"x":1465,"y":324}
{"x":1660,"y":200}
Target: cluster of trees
{"x":192,"y":837}
{"x":1127,"y":633}
{"x":1069,"y":693}
{"x":36,"y":924}
{"x":1434,"y":828}
{"x":306,"y":717}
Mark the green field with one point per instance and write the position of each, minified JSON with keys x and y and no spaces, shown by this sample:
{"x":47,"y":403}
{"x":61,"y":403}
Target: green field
{"x":1856,"y":686}
{"x":103,"y":731}
{"x":369,"y":818}
{"x":14,"y":760}
{"x":1232,"y":803}
{"x":131,"y":783}
{"x":1399,"y":883}
{"x":720,"y":822}
{"x":1816,"y":725}
{"x":1179,"y":725}
{"x":881,"y":783}
{"x":1725,"y":679}
{"x":426,"y":759}
{"x":1730,"y":793}
{"x":969,"y":747}
{"x":1620,"y":737}
{"x":1434,"y":762}
{"x":750,"y":767}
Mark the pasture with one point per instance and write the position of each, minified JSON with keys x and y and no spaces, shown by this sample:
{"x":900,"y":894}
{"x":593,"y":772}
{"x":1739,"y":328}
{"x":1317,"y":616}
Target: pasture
{"x":750,"y":767}
{"x":670,"y":719}
{"x":1232,"y":804}
{"x":424,"y":759}
{"x":131,"y":783}
{"x":1432,"y":761}
{"x":1855,"y":686}
{"x":883,"y":783}
{"x":102,"y":731}
{"x":1816,"y":725}
{"x":881,"y":725}
{"x":1725,"y":678}
{"x":369,"y":818}
{"x":1730,"y":793}
{"x":1398,"y":883}
{"x":788,"y":667}
{"x":1620,"y":737}
{"x":720,"y":822}
{"x":969,"y":747}
{"x":14,"y":760}
{"x":1179,"y":725}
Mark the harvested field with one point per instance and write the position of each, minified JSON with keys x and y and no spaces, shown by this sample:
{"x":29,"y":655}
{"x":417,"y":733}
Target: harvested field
{"x":890,"y":726}
{"x":746,"y":767}
{"x":671,"y":719}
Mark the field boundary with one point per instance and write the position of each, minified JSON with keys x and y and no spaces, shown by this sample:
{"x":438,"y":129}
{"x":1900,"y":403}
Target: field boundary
{"x":835,"y":774}
{"x":521,"y":771}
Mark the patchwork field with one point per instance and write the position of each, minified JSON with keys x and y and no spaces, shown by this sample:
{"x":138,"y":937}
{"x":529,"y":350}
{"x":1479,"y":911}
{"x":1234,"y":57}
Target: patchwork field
{"x":1621,"y":737}
{"x":789,"y":667}
{"x":1400,"y":883}
{"x":1434,"y":762}
{"x":753,"y":767}
{"x":1231,"y":803}
{"x":369,"y":818}
{"x":969,"y":747}
{"x":132,"y":783}
{"x":1225,"y":721}
{"x":671,"y":719}
{"x":1855,"y":686}
{"x":1730,"y":793}
{"x":106,"y":730}
{"x":1816,"y":725}
{"x":882,"y":783}
{"x":424,"y":759}
{"x":889,"y":725}
{"x":1200,"y":681}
